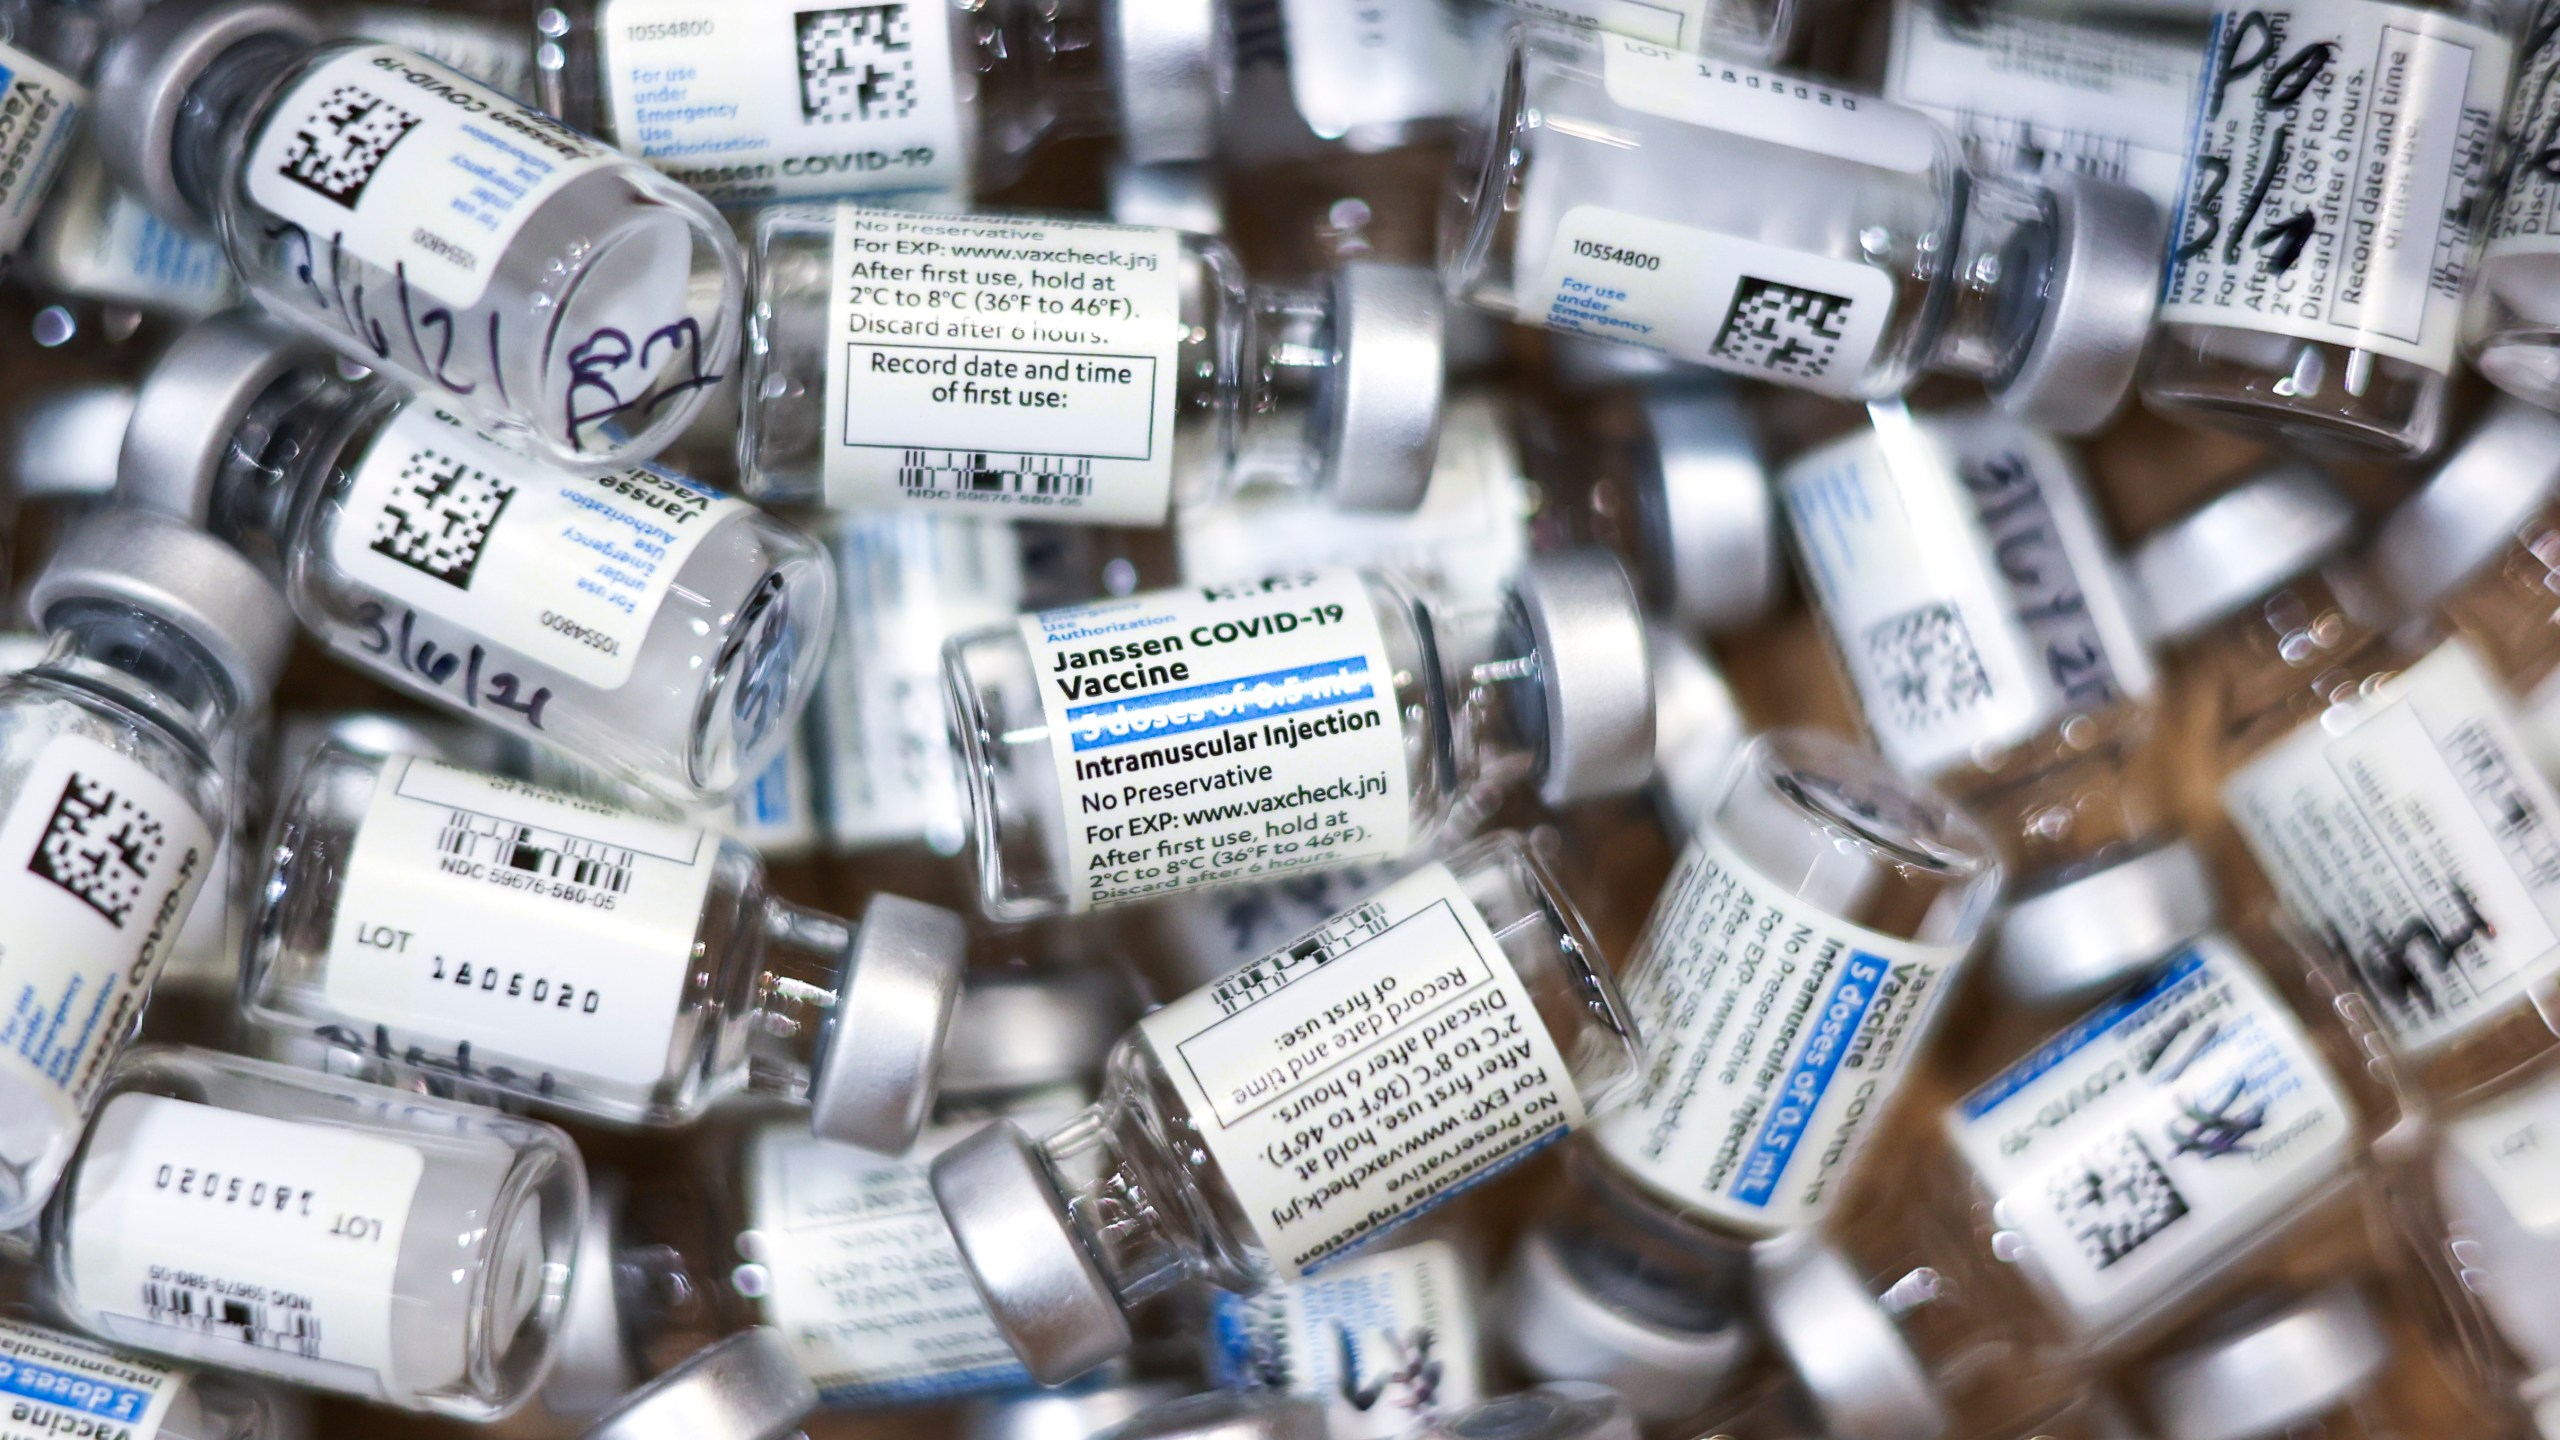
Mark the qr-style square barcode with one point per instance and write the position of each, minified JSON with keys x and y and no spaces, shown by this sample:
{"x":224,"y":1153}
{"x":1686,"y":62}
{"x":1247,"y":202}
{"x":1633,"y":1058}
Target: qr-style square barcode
{"x":2117,"y":1199}
{"x":1926,"y":665}
{"x":856,"y":63}
{"x":338,"y":146}
{"x":99,"y":846}
{"x":438,"y":518}
{"x":1783,"y":329}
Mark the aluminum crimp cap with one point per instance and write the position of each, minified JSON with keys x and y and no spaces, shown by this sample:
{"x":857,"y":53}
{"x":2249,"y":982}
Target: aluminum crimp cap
{"x":143,"y":80}
{"x":176,"y":573}
{"x":1043,"y":1289}
{"x":1853,"y":1363}
{"x":1558,"y":1328}
{"x":875,"y":1083}
{"x":1172,"y":67}
{"x":2197,"y":571}
{"x":1595,"y":674}
{"x":2104,"y":289}
{"x":1706,"y":488}
{"x":2097,"y":928}
{"x":63,"y":443}
{"x":191,"y":403}
{"x":1226,"y":1415}
{"x":2469,"y":511}
{"x":747,"y":1387}
{"x":1382,"y":421}
{"x":1032,"y":1029}
{"x":2299,"y":1363}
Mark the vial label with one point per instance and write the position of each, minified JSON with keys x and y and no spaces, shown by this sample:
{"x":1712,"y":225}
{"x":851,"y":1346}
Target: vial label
{"x":2034,"y":95}
{"x":1206,"y":933}
{"x":863,"y":1278}
{"x":1221,"y":735}
{"x":1679,"y":24}
{"x":1785,"y":111}
{"x":2338,"y":151}
{"x":414,"y":168}
{"x":1969,"y":590}
{"x":2514,"y":1142}
{"x":1366,"y":1072}
{"x":2167,"y":1128}
{"x":2526,"y":219}
{"x":1004,"y":365}
{"x":564,"y":570}
{"x":100,"y":243}
{"x":488,"y":927}
{"x":1353,"y":63}
{"x":40,"y":110}
{"x":777,"y":814}
{"x":498,"y":56}
{"x":261,"y":1243}
{"x":55,"y":1386}
{"x":1777,"y":1036}
{"x":769,"y":102}
{"x":2420,"y":844}
{"x":1386,"y":1341}
{"x":99,"y":861}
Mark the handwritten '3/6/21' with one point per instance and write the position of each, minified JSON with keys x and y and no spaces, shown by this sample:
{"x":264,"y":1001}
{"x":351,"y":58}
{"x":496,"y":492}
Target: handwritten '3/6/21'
{"x":2250,"y":49}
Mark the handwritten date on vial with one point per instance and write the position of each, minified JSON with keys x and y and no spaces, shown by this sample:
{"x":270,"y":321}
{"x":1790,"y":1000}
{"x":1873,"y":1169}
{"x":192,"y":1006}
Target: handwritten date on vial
{"x":435,"y":666}
{"x":2251,"y":46}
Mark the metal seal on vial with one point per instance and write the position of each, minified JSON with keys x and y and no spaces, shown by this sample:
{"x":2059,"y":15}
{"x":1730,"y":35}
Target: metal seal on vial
{"x":1595,"y":675}
{"x":1041,"y":1286}
{"x":2096,"y":928}
{"x":1226,"y":1415}
{"x":2504,"y":471}
{"x":180,"y":575}
{"x":747,"y":1387}
{"x":1715,"y":516}
{"x":874,"y":1085}
{"x":2200,"y":570}
{"x":1854,"y":1365}
{"x":1028,"y":1030}
{"x":1559,"y":1330}
{"x":2108,"y":241}
{"x":2300,"y":1363}
{"x":191,"y":403}
{"x":63,"y":443}
{"x":144,"y":77}
{"x":1381,"y":418}
{"x":1172,"y":67}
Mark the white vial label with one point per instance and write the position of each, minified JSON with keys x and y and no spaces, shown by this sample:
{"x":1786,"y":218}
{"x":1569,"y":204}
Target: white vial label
{"x":1967,"y":586}
{"x":484,"y":922}
{"x":2527,"y":217}
{"x":242,"y":1239}
{"x":99,"y":862}
{"x":413,"y":167}
{"x":1679,"y":24}
{"x":2036,"y":95}
{"x":1366,"y":1072}
{"x":40,"y":110}
{"x":1221,"y":735}
{"x":566,"y":570}
{"x":2420,"y":842}
{"x":773,"y":102}
{"x":2515,"y":1142}
{"x":2164,"y":1130}
{"x":862,"y":1276}
{"x":1010,"y":366}
{"x":1386,"y":1341}
{"x":1786,"y":111}
{"x":2338,"y":148}
{"x":1355,"y":63}
{"x":99,"y":242}
{"x":55,"y":1386}
{"x":1776,"y":1036}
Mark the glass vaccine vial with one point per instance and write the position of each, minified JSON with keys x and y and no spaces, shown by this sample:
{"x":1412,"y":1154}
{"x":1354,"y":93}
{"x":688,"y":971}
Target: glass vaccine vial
{"x":333,"y":1235}
{"x":1968,"y":589}
{"x":2316,"y":1367}
{"x":1246,"y":1132}
{"x":2510,"y":329}
{"x":1886,"y":259}
{"x":581,"y":303}
{"x":1101,"y":374}
{"x":2499,"y":1230}
{"x":58,"y":1384}
{"x":641,"y":623}
{"x":1127,"y":749}
{"x":742,"y":1388}
{"x":113,"y":803}
{"x":440,"y":922}
{"x":1386,"y":1340}
{"x":2311,"y":293}
{"x":48,"y":50}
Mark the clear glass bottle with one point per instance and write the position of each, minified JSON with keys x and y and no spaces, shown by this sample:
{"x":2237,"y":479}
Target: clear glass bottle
{"x":746,"y":1387}
{"x":2298,"y":303}
{"x":1566,"y":1411}
{"x":48,"y":51}
{"x":1698,"y":727}
{"x":646,"y":625}
{"x":334,"y":1235}
{"x":957,"y":96}
{"x":1967,"y":588}
{"x":58,"y":1384}
{"x":1760,"y":31}
{"x":579,"y":302}
{"x":441,"y":922}
{"x":1248,"y":732}
{"x":1215,"y":1153}
{"x":1386,"y":1341}
{"x":2499,"y":1233}
{"x":112,"y":805}
{"x":2510,"y":329}
{"x":484,"y":39}
{"x":2315,"y":1368}
{"x":1094,"y":373}
{"x":1886,"y":260}
{"x":1377,"y":78}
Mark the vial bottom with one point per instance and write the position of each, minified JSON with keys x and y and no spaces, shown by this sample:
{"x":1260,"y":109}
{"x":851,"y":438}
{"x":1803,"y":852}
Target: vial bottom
{"x":2313,"y":395}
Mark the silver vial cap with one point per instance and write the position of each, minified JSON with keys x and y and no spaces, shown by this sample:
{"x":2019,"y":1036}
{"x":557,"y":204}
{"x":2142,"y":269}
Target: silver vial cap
{"x":1382,"y":419}
{"x":2098,"y":928}
{"x":875,"y":1083}
{"x":1570,"y":1410}
{"x":1044,"y":1291}
{"x":63,"y":443}
{"x":747,"y":1387}
{"x":2098,"y":306}
{"x":1557,"y":1329}
{"x":1226,"y":1415}
{"x":1078,"y":1413}
{"x":143,"y":80}
{"x":1031,"y":1030}
{"x":1595,"y":674}
{"x":191,"y":403}
{"x":1697,"y":728}
{"x":1172,"y":66}
{"x":1717,"y":515}
{"x":2199,"y":570}
{"x":178,"y":574}
{"x":1852,"y":1363}
{"x":2300,"y":1363}
{"x":2504,"y":471}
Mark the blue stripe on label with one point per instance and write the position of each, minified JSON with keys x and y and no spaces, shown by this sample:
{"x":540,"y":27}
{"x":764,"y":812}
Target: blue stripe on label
{"x":2079,"y":1035}
{"x":1231,"y":1343}
{"x":982,"y":1380}
{"x":1806,"y":1080}
{"x":67,"y":1390}
{"x":1324,"y":685}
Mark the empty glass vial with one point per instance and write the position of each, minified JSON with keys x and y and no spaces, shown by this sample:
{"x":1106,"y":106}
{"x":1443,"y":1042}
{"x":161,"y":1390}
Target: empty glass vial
{"x":1385,"y":1341}
{"x":1967,"y":587}
{"x":48,"y":49}
{"x":112,"y":806}
{"x":448,"y":923}
{"x":2511,"y":328}
{"x":742,"y":1388}
{"x":1095,"y":373}
{"x":2496,"y":1174}
{"x":2337,"y":181}
{"x":2315,"y":1368}
{"x":644,"y":624}
{"x":1377,"y":77}
{"x":520,"y":273}
{"x":1275,"y":1120}
{"x":61,"y":1385}
{"x":96,"y":242}
{"x":1132,"y":748}
{"x":334,"y":1235}
{"x":1842,"y":249}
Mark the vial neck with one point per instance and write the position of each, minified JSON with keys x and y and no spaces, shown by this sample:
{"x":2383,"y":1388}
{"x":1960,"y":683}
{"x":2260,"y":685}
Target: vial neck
{"x":283,"y":449}
{"x":144,"y":664}
{"x":799,"y":982}
{"x":1492,"y":677}
{"x":1040,"y":74}
{"x":1124,"y":1214}
{"x":2005,"y":259}
{"x":1285,"y":387}
{"x":216,"y":108}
